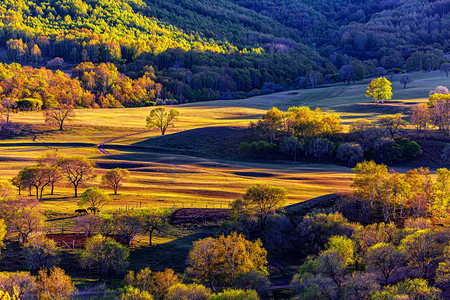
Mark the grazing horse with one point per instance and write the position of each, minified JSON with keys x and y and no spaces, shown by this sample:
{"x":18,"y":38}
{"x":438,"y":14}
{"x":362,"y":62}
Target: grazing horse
{"x":81,"y":211}
{"x":93,"y":210}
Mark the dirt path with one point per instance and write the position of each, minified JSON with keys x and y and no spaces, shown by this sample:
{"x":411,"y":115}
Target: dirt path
{"x":100,"y":146}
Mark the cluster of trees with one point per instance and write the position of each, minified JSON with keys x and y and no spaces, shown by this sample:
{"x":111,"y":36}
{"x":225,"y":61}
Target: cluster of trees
{"x":302,"y":132}
{"x":382,"y":141}
{"x":227,"y":49}
{"x":113,"y":89}
{"x":76,"y":170}
{"x":346,"y":260}
{"x":51,"y":169}
{"x":398,"y":197}
{"x":191,"y":65}
{"x":27,"y":88}
{"x":434,"y":113}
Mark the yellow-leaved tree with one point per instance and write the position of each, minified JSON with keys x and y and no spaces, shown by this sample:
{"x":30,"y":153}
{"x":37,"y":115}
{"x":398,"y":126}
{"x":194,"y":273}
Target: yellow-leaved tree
{"x":379,"y":90}
{"x":220,"y":261}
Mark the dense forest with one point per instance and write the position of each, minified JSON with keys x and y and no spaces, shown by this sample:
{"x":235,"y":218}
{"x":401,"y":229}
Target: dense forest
{"x":202,"y":50}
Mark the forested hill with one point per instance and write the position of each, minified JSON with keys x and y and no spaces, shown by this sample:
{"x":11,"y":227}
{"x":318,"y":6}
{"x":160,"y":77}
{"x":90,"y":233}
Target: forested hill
{"x":204,"y":50}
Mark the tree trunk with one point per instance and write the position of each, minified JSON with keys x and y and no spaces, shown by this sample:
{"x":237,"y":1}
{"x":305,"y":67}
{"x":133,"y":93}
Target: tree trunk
{"x":76,"y":190}
{"x":42,"y":191}
{"x":37,"y":193}
{"x":53,"y":185}
{"x":61,"y":125}
{"x":150,"y":235}
{"x":115,"y":189}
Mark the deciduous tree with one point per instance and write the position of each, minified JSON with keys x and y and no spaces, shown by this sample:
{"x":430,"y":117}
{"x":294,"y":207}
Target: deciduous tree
{"x":41,"y":252}
{"x":393,"y":124}
{"x":6,"y":106}
{"x":54,"y":284}
{"x":59,"y":115}
{"x":406,"y":79}
{"x":220,"y":261}
{"x":114,"y":178}
{"x":385,"y":259}
{"x":104,"y":255}
{"x":262,"y":200}
{"x":77,"y":169}
{"x":94,"y":198}
{"x":379,"y":90}
{"x":445,"y":68}
{"x":151,"y":221}
{"x":160,"y":119}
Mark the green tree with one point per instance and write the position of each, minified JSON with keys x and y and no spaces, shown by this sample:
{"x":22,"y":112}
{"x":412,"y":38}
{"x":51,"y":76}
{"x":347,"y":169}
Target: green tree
{"x":104,"y":255}
{"x":385,"y":259}
{"x":344,"y":246}
{"x":160,"y":119}
{"x":422,"y":248}
{"x":188,"y":292}
{"x":131,"y":293}
{"x":151,"y":221}
{"x":263,"y":200}
{"x":379,"y":90}
{"x":414,"y":289}
{"x":114,"y":178}
{"x":157,"y":284}
{"x":94,"y":198}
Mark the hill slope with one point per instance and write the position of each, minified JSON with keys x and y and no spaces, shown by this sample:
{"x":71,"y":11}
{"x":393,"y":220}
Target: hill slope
{"x":206,"y":50}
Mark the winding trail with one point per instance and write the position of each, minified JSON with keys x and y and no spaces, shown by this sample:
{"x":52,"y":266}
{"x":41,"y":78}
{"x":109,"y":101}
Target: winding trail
{"x":100,"y":146}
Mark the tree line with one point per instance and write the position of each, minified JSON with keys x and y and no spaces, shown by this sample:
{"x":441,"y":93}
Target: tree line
{"x":304,"y":133}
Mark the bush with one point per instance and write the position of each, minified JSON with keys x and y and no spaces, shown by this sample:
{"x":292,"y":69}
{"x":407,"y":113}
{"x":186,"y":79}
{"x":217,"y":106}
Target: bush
{"x":188,"y":292}
{"x":254,"y":280}
{"x":260,"y":149}
{"x":351,"y":153}
{"x":29,"y":104}
{"x":382,"y":146}
{"x":403,"y":149}
{"x":236,"y":295}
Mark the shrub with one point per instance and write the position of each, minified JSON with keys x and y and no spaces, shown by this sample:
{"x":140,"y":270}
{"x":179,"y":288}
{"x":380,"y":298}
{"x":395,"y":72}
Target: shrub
{"x":260,"y":149}
{"x":236,"y":295}
{"x":403,"y":149}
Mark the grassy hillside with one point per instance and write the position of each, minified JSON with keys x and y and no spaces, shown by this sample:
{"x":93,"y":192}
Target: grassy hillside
{"x":167,"y":171}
